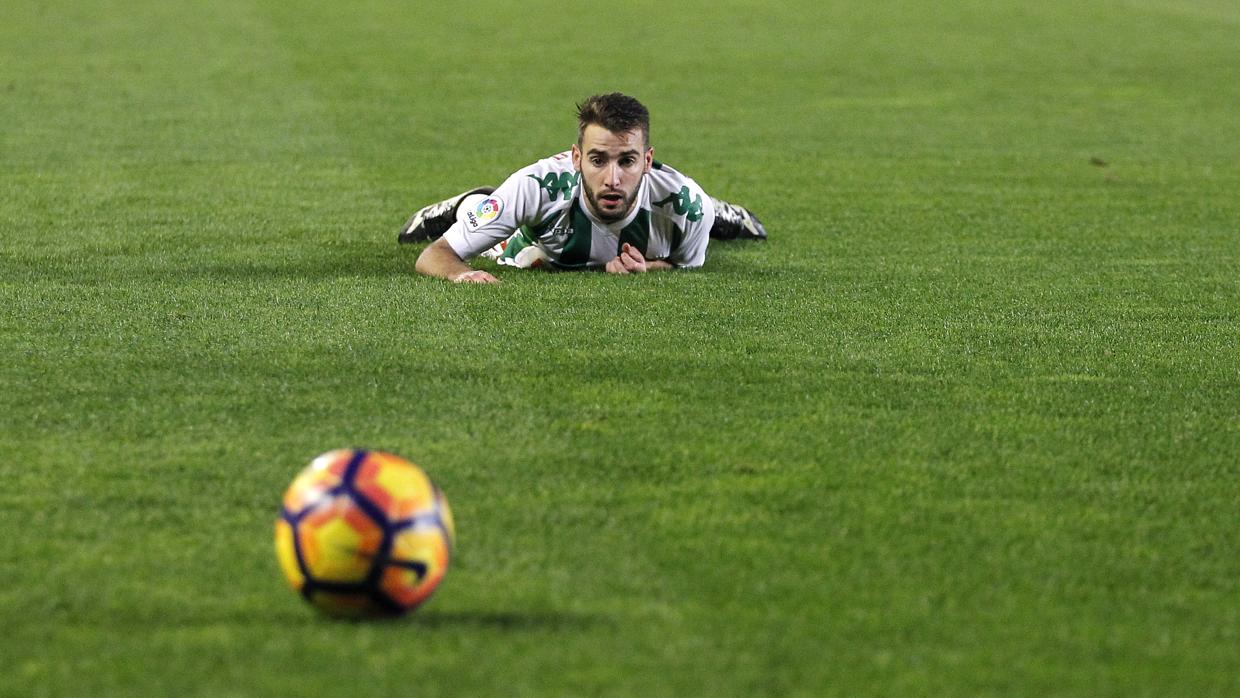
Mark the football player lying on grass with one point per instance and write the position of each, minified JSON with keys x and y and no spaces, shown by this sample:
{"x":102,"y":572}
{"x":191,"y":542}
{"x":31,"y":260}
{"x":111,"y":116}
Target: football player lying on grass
{"x":607,"y":203}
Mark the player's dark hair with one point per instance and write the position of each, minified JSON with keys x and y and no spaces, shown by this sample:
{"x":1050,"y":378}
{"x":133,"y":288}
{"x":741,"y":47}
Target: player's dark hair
{"x":615,"y":112}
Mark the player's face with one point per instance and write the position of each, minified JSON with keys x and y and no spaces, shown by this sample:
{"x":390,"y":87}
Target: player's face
{"x":612,"y":166}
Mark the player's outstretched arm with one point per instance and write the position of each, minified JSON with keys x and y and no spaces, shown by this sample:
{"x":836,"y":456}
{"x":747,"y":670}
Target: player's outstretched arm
{"x":441,"y":261}
{"x":631,"y":261}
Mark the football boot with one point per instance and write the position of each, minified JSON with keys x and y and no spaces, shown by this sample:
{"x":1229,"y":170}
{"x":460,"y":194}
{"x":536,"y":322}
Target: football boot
{"x":430,"y":222}
{"x":735,"y":223}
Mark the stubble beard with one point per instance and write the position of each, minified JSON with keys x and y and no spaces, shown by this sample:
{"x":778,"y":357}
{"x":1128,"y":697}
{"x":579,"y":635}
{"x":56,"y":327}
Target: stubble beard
{"x":592,"y":199}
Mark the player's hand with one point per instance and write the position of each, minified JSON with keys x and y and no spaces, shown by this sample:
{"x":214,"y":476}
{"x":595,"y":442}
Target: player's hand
{"x":629,"y":261}
{"x":475,"y":276}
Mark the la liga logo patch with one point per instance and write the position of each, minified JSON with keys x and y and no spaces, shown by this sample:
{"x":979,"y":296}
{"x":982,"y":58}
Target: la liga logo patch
{"x":485,"y":212}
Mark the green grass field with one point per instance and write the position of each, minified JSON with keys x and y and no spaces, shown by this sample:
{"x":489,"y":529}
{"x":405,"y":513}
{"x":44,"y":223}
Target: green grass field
{"x":969,"y":423}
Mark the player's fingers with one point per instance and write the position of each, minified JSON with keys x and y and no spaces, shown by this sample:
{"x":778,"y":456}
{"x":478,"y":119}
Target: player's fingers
{"x":633,"y":260}
{"x":476,"y":276}
{"x":616,"y":266}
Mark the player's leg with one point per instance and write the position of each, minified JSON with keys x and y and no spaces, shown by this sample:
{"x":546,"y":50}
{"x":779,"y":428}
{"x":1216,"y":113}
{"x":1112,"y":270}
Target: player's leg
{"x":734,"y":222}
{"x":432,"y":221}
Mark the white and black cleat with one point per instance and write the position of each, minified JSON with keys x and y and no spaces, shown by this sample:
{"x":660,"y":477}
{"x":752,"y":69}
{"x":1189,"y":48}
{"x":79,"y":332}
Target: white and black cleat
{"x":430,"y":222}
{"x":735,"y":223}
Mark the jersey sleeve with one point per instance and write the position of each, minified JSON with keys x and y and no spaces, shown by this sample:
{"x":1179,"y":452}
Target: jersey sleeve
{"x":512,"y":205}
{"x":690,"y":252}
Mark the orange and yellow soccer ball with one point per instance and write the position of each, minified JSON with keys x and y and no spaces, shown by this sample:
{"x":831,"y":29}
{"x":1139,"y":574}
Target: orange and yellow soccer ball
{"x":364,"y":533}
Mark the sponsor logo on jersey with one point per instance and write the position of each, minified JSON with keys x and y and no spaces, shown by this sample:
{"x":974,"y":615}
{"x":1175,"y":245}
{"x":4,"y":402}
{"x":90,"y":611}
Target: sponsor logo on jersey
{"x":690,"y":208}
{"x":556,"y":183}
{"x":484,"y":212}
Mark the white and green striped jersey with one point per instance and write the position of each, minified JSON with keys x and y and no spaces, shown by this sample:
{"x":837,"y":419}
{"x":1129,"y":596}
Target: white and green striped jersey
{"x":670,"y":220}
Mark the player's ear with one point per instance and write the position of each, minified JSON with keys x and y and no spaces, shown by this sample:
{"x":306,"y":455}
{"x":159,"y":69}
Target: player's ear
{"x":576,"y":157}
{"x":649,"y":158}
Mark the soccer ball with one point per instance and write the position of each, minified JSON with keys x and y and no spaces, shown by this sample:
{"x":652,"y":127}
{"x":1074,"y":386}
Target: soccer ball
{"x":364,"y":534}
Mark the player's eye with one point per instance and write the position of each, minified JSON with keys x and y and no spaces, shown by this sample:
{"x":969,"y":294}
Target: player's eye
{"x":597,"y":161}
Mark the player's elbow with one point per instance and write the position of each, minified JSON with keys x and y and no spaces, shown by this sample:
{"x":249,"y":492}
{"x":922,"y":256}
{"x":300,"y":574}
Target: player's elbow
{"x":424,"y":265}
{"x":437,"y":259}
